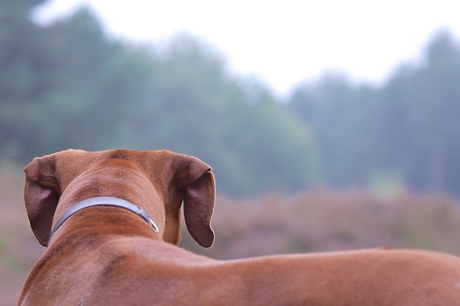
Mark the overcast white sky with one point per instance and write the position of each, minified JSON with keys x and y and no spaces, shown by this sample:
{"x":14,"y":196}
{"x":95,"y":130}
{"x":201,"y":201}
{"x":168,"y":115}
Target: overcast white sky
{"x":285,"y":42}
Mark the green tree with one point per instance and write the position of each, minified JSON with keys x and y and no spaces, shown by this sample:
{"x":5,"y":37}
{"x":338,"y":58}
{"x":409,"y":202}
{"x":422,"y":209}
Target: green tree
{"x":341,"y":116}
{"x":96,"y":84}
{"x":198,"y":107}
{"x":407,"y":127}
{"x":23,"y":58}
{"x":427,"y":99}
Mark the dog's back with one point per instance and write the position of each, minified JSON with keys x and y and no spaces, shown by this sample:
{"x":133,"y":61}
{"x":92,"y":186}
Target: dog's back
{"x":125,"y":254}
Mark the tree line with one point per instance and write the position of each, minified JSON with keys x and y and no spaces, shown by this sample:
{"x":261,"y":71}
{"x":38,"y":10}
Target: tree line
{"x":406,"y":130}
{"x":70,"y":85}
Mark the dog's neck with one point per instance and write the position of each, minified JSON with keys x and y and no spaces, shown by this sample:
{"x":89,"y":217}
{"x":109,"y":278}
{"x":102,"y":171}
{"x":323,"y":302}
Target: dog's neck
{"x":104,"y":201}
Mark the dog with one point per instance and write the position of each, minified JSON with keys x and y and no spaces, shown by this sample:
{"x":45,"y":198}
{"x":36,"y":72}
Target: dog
{"x":110,"y":221}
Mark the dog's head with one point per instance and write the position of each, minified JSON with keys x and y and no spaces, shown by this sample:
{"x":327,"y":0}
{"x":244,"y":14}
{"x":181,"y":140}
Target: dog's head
{"x":144,"y":178}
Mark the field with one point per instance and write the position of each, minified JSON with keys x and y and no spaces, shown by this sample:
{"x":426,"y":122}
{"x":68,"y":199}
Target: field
{"x":312,"y":221}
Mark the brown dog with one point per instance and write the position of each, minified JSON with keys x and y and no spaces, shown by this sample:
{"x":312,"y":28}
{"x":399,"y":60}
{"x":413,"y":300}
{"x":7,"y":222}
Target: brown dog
{"x":107,"y":251}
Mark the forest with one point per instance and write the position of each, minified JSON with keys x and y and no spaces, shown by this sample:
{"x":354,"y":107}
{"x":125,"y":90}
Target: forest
{"x":70,"y":85}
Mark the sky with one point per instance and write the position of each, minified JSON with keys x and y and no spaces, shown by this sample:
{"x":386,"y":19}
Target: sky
{"x":283,"y":43}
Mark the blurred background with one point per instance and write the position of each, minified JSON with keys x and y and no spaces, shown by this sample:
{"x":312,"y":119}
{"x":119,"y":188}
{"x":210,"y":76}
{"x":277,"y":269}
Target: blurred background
{"x":334,"y":133}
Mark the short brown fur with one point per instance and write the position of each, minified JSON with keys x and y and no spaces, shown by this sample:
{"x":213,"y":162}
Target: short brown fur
{"x":110,"y":256}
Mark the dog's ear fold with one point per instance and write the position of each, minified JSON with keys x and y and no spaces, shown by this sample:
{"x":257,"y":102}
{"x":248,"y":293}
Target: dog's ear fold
{"x":41,"y":196}
{"x":199,"y":199}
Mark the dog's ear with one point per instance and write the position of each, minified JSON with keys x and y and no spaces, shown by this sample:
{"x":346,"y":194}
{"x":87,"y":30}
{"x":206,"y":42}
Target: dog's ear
{"x":41,"y":196}
{"x":199,"y":202}
{"x":199,"y":197}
